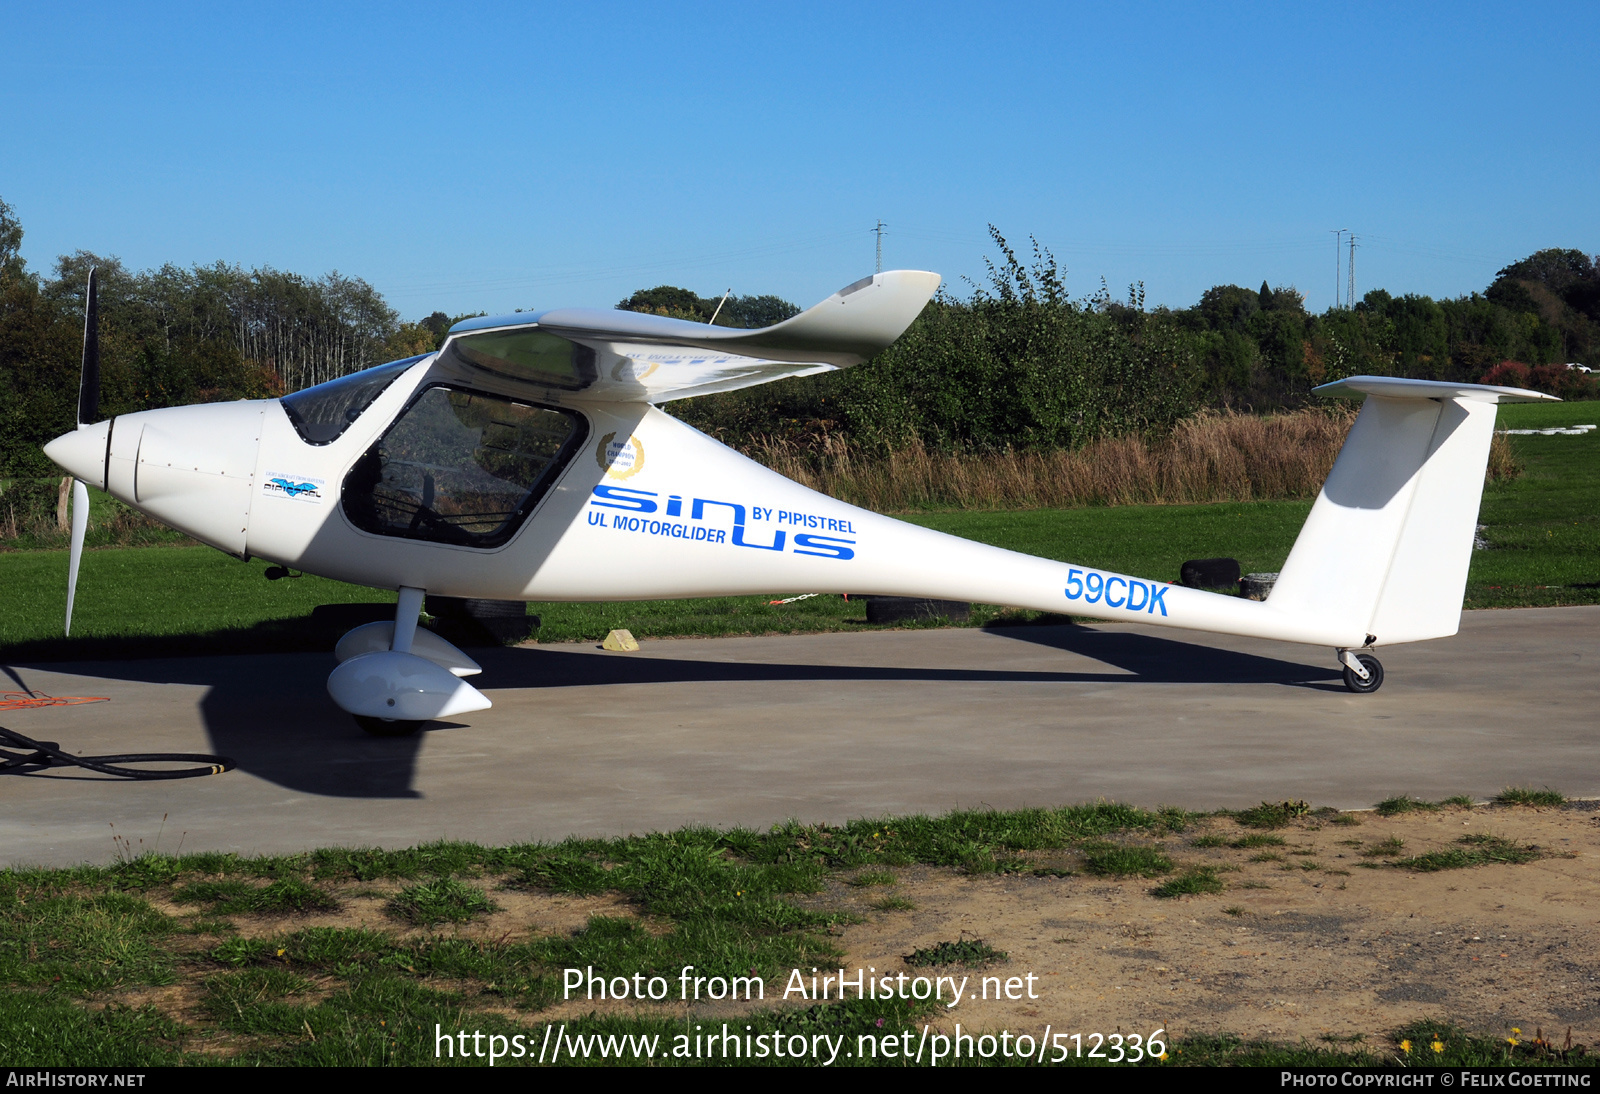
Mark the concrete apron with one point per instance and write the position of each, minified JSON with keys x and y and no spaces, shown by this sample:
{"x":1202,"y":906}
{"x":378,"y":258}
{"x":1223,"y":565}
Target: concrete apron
{"x":753,"y":731}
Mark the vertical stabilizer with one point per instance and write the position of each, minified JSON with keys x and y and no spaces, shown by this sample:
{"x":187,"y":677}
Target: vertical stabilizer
{"x":1386,"y":548}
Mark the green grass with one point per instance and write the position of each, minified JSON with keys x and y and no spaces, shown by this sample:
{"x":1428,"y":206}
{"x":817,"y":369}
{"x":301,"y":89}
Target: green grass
{"x":159,"y":600}
{"x":49,"y":1031}
{"x":965,"y":952}
{"x":1523,"y":795}
{"x":80,"y":942}
{"x":1544,"y":526}
{"x":1476,"y":850}
{"x":288,"y":895}
{"x":1403,"y":803}
{"x":1272,"y":814}
{"x":443,"y":900}
{"x":1110,"y":860}
{"x":153,"y":601}
{"x":894,"y":904}
{"x":1388,"y":848}
{"x":873,"y":877}
{"x":1196,"y":882}
{"x":731,"y":903}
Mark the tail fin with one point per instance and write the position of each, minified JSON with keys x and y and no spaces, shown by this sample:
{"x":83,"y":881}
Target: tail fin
{"x":1386,"y":549}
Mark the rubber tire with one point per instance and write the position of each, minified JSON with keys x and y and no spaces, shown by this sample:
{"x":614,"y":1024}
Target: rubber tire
{"x":1374,"y":668}
{"x":387,"y":727}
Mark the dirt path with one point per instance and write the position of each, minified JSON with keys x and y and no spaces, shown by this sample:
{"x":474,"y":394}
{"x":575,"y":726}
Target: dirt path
{"x":1315,"y":941}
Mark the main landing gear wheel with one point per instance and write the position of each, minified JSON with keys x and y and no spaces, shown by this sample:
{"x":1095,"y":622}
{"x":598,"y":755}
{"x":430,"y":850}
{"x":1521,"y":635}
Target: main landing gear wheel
{"x":387,"y":727}
{"x":1374,"y":679}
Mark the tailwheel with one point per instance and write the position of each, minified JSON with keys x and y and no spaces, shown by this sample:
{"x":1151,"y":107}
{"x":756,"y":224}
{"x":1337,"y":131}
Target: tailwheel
{"x":1374,"y":680}
{"x":388,"y":727}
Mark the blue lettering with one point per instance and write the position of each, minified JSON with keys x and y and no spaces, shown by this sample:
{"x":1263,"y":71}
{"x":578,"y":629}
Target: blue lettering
{"x":698,"y":512}
{"x":1159,"y":598}
{"x":738,"y":539}
{"x":674,"y":506}
{"x":1074,"y":578}
{"x":1137,"y":587}
{"x":1096,"y":585}
{"x":824,"y":546}
{"x":1110,"y":581}
{"x":597,"y":518}
{"x":622,"y":497}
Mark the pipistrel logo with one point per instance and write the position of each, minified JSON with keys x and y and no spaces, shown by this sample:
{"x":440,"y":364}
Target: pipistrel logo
{"x":620,"y":459}
{"x":294,"y":487}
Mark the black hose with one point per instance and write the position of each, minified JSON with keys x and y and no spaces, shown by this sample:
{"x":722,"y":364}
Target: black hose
{"x":48,"y":754}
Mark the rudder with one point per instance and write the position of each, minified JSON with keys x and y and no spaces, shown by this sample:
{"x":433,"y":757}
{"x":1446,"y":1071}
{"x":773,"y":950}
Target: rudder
{"x":1384,"y":555}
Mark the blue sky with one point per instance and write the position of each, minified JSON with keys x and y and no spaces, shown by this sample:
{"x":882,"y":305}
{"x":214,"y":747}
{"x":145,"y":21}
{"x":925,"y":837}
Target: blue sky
{"x":501,"y":156}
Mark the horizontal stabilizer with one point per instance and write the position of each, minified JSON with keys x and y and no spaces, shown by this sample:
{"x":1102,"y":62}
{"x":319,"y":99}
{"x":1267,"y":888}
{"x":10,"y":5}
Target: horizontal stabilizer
{"x":1398,"y":387}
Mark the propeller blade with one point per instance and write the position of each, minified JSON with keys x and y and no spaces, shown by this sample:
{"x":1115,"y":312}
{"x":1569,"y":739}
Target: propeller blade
{"x":89,"y":383}
{"x":80,"y":525}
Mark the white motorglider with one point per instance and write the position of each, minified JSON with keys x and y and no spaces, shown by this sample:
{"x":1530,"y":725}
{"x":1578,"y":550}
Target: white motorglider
{"x":527,"y":460}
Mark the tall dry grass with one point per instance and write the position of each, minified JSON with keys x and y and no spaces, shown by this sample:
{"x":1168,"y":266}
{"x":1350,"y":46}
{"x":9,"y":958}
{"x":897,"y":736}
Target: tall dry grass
{"x":32,"y":517}
{"x":1211,"y":457}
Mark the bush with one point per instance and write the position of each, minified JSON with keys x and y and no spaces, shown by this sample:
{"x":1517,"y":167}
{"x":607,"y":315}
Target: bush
{"x":1555,"y":379}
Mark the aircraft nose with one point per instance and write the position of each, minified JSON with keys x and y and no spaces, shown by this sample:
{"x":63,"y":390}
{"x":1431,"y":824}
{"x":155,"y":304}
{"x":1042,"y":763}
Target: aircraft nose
{"x":191,"y":467}
{"x":82,"y":453}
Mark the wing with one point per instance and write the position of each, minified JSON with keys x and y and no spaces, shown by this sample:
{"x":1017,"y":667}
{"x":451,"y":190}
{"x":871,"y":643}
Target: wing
{"x":584,"y":354}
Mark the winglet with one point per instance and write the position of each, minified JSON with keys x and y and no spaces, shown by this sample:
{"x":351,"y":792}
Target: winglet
{"x":856,"y":322}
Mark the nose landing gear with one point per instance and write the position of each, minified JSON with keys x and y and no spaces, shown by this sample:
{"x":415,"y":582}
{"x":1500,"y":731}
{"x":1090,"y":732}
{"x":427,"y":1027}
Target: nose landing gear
{"x":394,"y":678}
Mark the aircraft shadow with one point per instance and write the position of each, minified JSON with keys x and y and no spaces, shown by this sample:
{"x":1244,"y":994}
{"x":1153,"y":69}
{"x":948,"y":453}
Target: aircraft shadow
{"x":1172,"y":661}
{"x":270,"y":713}
{"x":1149,"y":661}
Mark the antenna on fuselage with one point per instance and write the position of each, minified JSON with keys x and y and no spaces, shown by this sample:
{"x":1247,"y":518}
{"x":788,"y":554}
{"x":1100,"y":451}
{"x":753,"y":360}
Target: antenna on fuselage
{"x":721,"y":302}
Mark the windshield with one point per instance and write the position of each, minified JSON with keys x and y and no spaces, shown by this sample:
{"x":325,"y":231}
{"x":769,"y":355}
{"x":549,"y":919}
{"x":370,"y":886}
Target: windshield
{"x":321,"y":414}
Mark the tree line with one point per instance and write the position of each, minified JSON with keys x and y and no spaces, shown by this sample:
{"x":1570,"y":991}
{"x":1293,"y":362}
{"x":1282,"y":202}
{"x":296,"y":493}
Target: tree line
{"x":1020,"y":364}
{"x":1017,"y":363}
